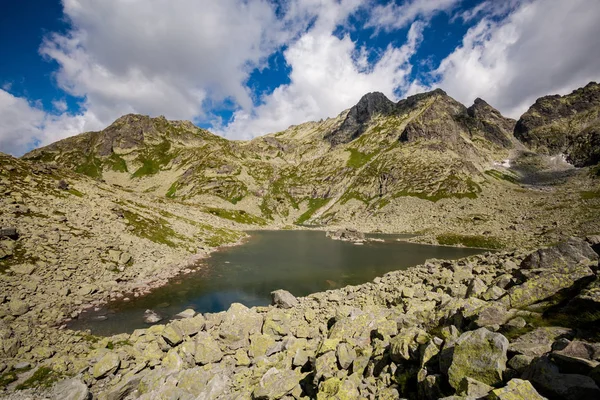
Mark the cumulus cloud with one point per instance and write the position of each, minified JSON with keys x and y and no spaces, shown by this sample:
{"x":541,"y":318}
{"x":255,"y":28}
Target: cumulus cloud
{"x":328,"y":75}
{"x":24,"y":125}
{"x":542,"y":47}
{"x":392,"y":16}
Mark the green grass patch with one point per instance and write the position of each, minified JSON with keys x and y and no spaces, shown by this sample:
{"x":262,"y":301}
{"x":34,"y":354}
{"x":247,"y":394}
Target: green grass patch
{"x":590,"y":195}
{"x":76,"y":192}
{"x":91,"y":167}
{"x":7,"y":378}
{"x":501,"y":176}
{"x":483,"y":242}
{"x":117,"y":163}
{"x":358,"y":159}
{"x":172,"y":190}
{"x":155,"y":229}
{"x":42,"y":377}
{"x":221,"y":236}
{"x":153,"y":159}
{"x":240,"y":216}
{"x":112,"y":345}
{"x":313,"y":205}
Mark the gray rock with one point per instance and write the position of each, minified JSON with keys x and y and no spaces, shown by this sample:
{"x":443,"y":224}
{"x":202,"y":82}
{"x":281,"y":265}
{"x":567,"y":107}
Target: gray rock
{"x":516,"y":389}
{"x":71,"y":389}
{"x":207,"y":349}
{"x":476,"y":288}
{"x":546,"y":377}
{"x":276,"y":383}
{"x":151,"y":317}
{"x":520,"y":362}
{"x":173,"y":334}
{"x":9,"y":232}
{"x":473,"y":388}
{"x":283,"y":299}
{"x":18,"y":307}
{"x":480,"y":355}
{"x":345,"y":355}
{"x":188,"y":313}
{"x":107,"y":365}
{"x":239,"y":322}
{"x":539,"y":341}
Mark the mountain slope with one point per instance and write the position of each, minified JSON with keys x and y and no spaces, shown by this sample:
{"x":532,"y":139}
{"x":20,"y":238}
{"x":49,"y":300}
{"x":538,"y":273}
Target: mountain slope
{"x":565,"y":124}
{"x":428,"y":146}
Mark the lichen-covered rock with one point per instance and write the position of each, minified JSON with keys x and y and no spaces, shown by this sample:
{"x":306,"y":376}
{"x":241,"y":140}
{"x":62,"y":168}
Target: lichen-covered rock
{"x":276,"y":383}
{"x":404,"y":345}
{"x":238,"y":323}
{"x":283,"y":298}
{"x":516,"y":389}
{"x":207,"y":349}
{"x":345,"y":355}
{"x":108,"y":364}
{"x":472,"y":388}
{"x":480,"y":355}
{"x":538,"y":341}
{"x":547,"y":378}
{"x":173,"y":334}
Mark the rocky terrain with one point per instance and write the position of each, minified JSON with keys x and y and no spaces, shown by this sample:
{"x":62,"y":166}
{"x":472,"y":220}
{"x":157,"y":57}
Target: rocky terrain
{"x":111,"y":214}
{"x":497,"y":326}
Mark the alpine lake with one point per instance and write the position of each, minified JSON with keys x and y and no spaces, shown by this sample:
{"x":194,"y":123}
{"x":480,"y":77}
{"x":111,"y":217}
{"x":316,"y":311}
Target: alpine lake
{"x":300,"y":261}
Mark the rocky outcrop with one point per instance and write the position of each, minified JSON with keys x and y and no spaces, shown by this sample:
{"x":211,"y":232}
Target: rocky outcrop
{"x":564,"y":124}
{"x":347,"y":235}
{"x":356,"y":121}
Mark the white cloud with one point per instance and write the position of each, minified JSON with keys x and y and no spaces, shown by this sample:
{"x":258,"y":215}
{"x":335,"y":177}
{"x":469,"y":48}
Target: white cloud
{"x":392,"y":16}
{"x":328,"y":75}
{"x":60,"y":105}
{"x":543,"y":47}
{"x":23,"y":124}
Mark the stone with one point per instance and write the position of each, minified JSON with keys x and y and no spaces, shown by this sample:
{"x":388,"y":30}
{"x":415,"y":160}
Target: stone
{"x":520,"y":362}
{"x":406,"y":343}
{"x":538,"y":341}
{"x":276,"y":383}
{"x":238,"y":323}
{"x":551,"y":270}
{"x":493,"y":313}
{"x":173,"y":334}
{"x":516,"y":323}
{"x":9,"y":233}
{"x":300,"y":358}
{"x":124,"y":258}
{"x":23,"y":269}
{"x":62,"y":185}
{"x":107,"y":365}
{"x":188,"y":313}
{"x":345,"y":355}
{"x":430,"y":387}
{"x":283,"y":299}
{"x":151,"y":317}
{"x":581,"y":349}
{"x":476,"y":288}
{"x":191,"y":326}
{"x":473,"y":388}
{"x":18,"y":307}
{"x":545,"y":376}
{"x":408,"y":292}
{"x":345,"y":234}
{"x":493,"y":293}
{"x":259,"y":344}
{"x":207,"y":349}
{"x":480,"y":355}
{"x":71,"y":389}
{"x":114,"y":255}
{"x":516,"y":389}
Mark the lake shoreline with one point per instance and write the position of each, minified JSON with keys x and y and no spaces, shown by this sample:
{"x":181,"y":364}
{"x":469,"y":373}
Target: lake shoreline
{"x":93,"y":315}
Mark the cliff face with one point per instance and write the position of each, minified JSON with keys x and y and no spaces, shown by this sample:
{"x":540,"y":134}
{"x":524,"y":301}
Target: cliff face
{"x":565,"y":124}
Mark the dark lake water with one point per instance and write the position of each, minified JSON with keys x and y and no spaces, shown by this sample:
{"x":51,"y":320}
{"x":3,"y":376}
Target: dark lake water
{"x":301,"y":262}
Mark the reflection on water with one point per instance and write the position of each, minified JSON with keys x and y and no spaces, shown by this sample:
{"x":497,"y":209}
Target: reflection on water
{"x":302,"y":262}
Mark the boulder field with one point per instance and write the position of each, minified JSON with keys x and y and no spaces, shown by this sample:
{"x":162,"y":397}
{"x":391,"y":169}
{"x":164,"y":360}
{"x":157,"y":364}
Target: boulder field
{"x":510,"y":325}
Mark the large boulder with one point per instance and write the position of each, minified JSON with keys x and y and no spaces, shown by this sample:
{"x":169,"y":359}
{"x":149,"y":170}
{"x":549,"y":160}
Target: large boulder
{"x":550,"y":382}
{"x":549,"y":271}
{"x":207,"y":349}
{"x":107,"y":365}
{"x":276,"y":383}
{"x":71,"y":389}
{"x":283,"y":299}
{"x":239,"y":322}
{"x":480,"y":355}
{"x":538,"y":341}
{"x":516,"y":389}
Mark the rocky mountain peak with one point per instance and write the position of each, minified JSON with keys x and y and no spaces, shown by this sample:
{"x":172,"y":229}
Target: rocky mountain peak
{"x":359,"y":115}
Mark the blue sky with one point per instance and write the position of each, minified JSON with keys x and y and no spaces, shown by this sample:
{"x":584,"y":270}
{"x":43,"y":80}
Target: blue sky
{"x":243,"y":68}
